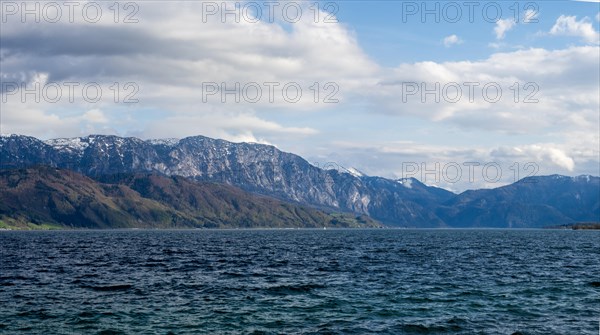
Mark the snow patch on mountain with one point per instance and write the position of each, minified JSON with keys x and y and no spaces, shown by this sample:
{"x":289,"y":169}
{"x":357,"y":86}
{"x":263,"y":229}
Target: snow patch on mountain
{"x":355,"y":172}
{"x":406,"y":182}
{"x":169,"y":142}
{"x":587,"y":178}
{"x":73,"y":144}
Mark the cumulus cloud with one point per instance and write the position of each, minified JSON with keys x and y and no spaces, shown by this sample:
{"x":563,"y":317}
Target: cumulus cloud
{"x":547,"y":154}
{"x":502,"y":26}
{"x":190,"y":51}
{"x":551,"y":85}
{"x":267,"y":64}
{"x":173,"y":51}
{"x":570,"y":26}
{"x":452,"y":40}
{"x":226,"y":125}
{"x":95,"y":116}
{"x":32,"y":120}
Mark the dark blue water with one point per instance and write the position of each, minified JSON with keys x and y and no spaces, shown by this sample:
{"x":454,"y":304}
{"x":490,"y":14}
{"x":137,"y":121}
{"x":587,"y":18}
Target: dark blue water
{"x":300,"y":281}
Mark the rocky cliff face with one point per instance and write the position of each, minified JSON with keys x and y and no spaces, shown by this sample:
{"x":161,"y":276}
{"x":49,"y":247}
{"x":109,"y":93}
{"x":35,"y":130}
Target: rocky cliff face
{"x":252,"y":167}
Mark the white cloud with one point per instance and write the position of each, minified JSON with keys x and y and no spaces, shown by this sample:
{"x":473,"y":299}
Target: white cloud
{"x":547,"y":155}
{"x":232,"y":126}
{"x":190,"y":53}
{"x":502,"y":26}
{"x":552,"y":86}
{"x":95,"y":116}
{"x":561,"y":159}
{"x":452,"y":40}
{"x":496,"y":46}
{"x":33,"y":119}
{"x":569,"y":26}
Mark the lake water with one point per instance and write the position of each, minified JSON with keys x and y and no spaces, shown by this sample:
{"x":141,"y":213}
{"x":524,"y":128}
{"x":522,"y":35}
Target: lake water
{"x":300,"y":282}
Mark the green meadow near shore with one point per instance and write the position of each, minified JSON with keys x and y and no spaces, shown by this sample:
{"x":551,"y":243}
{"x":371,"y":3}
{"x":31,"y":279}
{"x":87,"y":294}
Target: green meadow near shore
{"x":15,"y":224}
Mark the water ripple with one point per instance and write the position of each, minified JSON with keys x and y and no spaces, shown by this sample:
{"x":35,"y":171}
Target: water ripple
{"x":300,"y":281}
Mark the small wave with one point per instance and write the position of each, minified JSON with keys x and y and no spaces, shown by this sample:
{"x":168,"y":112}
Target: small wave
{"x":294,"y":289}
{"x":110,"y":332}
{"x":234,"y":274}
{"x":40,"y":314}
{"x":433,"y":329}
{"x":110,"y":288}
{"x":175,"y":251}
{"x":452,"y":325}
{"x":17,"y":277}
{"x":154,"y":264}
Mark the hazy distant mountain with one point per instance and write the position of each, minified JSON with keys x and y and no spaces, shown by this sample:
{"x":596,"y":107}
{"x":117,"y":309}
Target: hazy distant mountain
{"x":44,"y":195}
{"x":263,"y":169}
{"x":253,"y":167}
{"x":531,"y":202}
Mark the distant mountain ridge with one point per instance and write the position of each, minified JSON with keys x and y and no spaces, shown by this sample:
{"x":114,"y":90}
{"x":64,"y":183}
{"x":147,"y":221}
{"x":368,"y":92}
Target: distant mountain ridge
{"x":266,"y":170}
{"x":536,"y":201}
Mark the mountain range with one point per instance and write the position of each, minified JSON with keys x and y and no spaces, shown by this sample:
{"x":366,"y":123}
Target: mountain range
{"x":257,"y":171}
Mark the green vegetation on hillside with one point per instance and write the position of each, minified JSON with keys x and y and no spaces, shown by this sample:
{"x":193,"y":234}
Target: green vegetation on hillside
{"x":49,"y":198}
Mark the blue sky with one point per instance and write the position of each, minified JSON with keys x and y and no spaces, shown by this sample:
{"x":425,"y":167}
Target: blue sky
{"x":391,"y":34}
{"x":178,"y":54}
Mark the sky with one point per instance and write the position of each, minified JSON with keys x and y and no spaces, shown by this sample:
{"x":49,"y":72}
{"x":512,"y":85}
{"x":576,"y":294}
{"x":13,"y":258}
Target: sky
{"x":460,"y":95}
